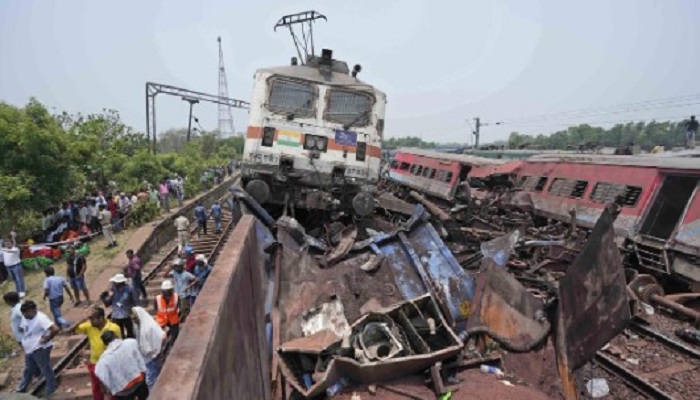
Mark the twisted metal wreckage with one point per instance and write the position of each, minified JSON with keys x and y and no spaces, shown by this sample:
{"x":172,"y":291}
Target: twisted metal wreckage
{"x":374,"y":300}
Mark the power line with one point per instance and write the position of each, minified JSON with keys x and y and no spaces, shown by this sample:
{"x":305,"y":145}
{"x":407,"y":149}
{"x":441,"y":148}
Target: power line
{"x":676,"y":118}
{"x":671,"y":102}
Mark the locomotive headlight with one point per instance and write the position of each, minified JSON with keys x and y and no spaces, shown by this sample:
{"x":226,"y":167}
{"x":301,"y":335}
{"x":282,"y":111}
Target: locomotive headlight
{"x":321,"y":143}
{"x":310,"y":141}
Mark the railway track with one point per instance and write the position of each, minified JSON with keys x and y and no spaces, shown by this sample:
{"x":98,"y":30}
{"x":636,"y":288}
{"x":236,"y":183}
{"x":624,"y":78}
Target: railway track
{"x":71,"y":353}
{"x":652,"y":363}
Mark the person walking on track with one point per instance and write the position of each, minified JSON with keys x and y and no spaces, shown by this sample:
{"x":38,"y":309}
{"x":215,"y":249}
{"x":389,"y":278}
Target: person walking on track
{"x":122,"y":299}
{"x":37,"y":332}
{"x":93,"y":326}
{"x":133,"y":271}
{"x":182,"y":225}
{"x":53,"y":291}
{"x":121,"y":369}
{"x":200,"y":215}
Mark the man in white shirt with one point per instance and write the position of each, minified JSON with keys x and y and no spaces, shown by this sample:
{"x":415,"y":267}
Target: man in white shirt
{"x":121,"y":368}
{"x":12,"y":300}
{"x":37,"y":331}
{"x":12,"y":261}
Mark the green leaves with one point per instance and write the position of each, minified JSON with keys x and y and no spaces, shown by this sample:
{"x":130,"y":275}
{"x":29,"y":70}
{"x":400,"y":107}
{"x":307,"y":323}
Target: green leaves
{"x":48,"y":159}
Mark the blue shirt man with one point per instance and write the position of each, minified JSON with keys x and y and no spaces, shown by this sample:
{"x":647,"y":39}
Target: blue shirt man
{"x":53,"y":290}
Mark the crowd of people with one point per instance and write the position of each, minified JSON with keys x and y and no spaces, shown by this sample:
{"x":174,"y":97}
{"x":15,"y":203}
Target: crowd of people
{"x":126,"y":348}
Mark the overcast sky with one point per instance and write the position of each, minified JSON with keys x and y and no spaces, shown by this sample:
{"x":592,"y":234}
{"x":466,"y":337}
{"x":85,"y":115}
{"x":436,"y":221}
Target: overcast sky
{"x":440,"y":62}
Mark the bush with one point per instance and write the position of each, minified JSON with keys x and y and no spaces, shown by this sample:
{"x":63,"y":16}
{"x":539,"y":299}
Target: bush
{"x":143,"y":212}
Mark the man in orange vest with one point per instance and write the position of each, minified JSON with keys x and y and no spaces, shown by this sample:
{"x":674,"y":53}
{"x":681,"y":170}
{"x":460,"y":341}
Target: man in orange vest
{"x":167,"y":306}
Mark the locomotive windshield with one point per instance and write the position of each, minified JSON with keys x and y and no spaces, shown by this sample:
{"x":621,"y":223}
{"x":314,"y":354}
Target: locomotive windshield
{"x":348,"y":107}
{"x":294,"y":97}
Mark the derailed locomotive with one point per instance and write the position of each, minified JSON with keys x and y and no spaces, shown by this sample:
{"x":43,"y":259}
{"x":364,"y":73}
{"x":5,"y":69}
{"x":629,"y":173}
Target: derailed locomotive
{"x":314,"y":135}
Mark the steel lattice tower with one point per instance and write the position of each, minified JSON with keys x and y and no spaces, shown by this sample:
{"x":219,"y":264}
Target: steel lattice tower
{"x":226,"y":128}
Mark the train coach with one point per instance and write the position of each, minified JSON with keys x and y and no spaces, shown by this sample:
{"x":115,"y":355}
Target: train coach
{"x":434,"y":173}
{"x":660,"y":199}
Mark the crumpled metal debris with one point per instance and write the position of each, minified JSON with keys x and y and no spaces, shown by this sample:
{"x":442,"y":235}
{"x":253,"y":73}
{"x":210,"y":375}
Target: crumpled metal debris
{"x":388,"y":344}
{"x":330,"y":316}
{"x":504,"y":310}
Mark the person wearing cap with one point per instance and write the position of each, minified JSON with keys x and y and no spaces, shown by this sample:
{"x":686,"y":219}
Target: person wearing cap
{"x":37,"y":331}
{"x":184,"y":284}
{"x":122,"y":298}
{"x":190,"y":259}
{"x":167,"y":307}
{"x":93,"y":326}
{"x":121,"y":369}
{"x":105,"y":218}
{"x":182,"y":225}
{"x":150,"y":337}
{"x":201,"y":271}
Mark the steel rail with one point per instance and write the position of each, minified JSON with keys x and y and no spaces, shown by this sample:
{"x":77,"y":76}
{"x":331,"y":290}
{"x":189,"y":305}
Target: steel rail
{"x":635,"y":381}
{"x":666,"y":340}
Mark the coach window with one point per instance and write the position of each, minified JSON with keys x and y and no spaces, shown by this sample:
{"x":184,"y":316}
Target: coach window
{"x":349,"y":107}
{"x":419,"y":170}
{"x":290,"y":97}
{"x":427,"y":172}
{"x":394,"y":164}
{"x":579,"y":189}
{"x":448,"y":178}
{"x":404,"y":166}
{"x":522,"y":182}
{"x":541,"y":183}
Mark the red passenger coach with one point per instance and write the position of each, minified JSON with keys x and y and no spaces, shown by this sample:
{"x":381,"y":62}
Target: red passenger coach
{"x":660,"y":214}
{"x":434,"y":173}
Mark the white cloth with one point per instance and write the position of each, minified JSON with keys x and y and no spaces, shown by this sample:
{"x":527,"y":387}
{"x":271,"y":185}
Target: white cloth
{"x":10,"y":256}
{"x":32,"y":331}
{"x":16,"y":320}
{"x":120,"y":364}
{"x":149,"y":335}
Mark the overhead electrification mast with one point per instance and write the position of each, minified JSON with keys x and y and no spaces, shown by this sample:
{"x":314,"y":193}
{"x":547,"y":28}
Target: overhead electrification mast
{"x":226,"y":128}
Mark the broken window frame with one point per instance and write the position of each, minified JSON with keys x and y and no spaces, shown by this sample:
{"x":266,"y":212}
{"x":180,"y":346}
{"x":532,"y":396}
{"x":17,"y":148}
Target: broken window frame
{"x":610,"y":191}
{"x":567,"y":187}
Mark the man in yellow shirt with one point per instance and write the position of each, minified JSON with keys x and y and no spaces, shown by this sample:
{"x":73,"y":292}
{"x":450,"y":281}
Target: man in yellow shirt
{"x":93,"y":326}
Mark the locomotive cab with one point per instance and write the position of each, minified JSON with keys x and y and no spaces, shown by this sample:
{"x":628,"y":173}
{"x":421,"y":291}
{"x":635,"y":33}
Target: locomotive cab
{"x":314,"y":136}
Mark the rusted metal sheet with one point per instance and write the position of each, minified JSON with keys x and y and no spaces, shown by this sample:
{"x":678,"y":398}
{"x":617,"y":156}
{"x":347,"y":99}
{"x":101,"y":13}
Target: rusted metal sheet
{"x":417,"y":251}
{"x":223,"y":339}
{"x":420,"y":349}
{"x":392,"y":203}
{"x":506,"y":311}
{"x":432,"y":208}
{"x":593,"y":296}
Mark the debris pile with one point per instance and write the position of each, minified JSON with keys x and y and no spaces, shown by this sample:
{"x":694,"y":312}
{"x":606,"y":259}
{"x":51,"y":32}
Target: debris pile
{"x":421,"y":296}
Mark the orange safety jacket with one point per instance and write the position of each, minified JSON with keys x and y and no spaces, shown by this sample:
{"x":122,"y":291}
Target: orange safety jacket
{"x":167,"y":313}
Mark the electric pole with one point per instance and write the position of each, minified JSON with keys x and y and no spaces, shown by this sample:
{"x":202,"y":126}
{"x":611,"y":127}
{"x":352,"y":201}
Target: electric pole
{"x":226,"y":128}
{"x":477,"y":130}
